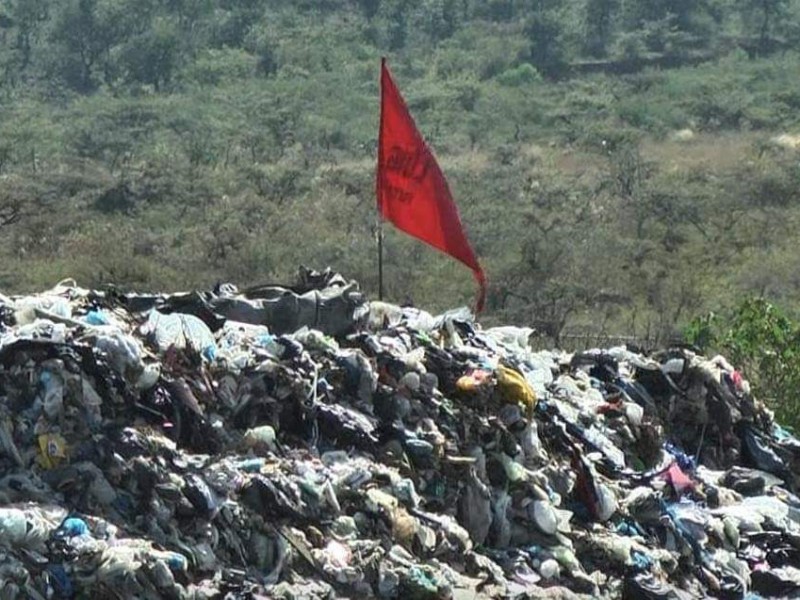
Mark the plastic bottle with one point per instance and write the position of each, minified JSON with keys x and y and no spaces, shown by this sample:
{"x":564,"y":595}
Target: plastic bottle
{"x":566,"y":558}
{"x":13,"y":525}
{"x":549,"y":569}
{"x":73,"y":526}
{"x":260,"y":436}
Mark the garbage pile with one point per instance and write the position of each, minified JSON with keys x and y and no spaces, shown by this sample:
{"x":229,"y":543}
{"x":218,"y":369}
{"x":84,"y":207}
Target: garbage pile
{"x":302,"y":442}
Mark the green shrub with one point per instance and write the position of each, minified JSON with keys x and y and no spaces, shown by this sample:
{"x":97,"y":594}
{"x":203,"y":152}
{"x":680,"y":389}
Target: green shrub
{"x":524,"y":74}
{"x":764,"y":342}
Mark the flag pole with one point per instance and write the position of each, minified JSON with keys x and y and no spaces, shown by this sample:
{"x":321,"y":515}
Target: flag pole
{"x":380,"y":258}
{"x":378,"y":177}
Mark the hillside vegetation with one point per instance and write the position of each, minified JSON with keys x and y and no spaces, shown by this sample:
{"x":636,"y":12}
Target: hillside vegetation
{"x":615,"y":162}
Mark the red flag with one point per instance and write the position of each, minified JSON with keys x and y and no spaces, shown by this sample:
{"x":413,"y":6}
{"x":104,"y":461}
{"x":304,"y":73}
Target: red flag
{"x":412,"y":191}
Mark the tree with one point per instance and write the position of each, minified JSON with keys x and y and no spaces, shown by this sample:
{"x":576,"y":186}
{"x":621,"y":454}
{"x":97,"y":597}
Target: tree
{"x":685,"y":11}
{"x":370,"y":8}
{"x":27,"y":16}
{"x":398,"y":27}
{"x":10,"y":211}
{"x":234,"y":22}
{"x":762,"y":17}
{"x":190,"y":15}
{"x":441,"y":18}
{"x":545,"y":32}
{"x":87,"y":30}
{"x":500,"y":10}
{"x":598,"y":26}
{"x":152,"y":57}
{"x":557,"y":230}
{"x":20,"y":197}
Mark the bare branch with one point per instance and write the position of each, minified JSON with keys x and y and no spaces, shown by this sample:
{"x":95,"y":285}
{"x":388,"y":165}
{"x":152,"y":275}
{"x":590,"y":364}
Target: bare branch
{"x":10,"y":213}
